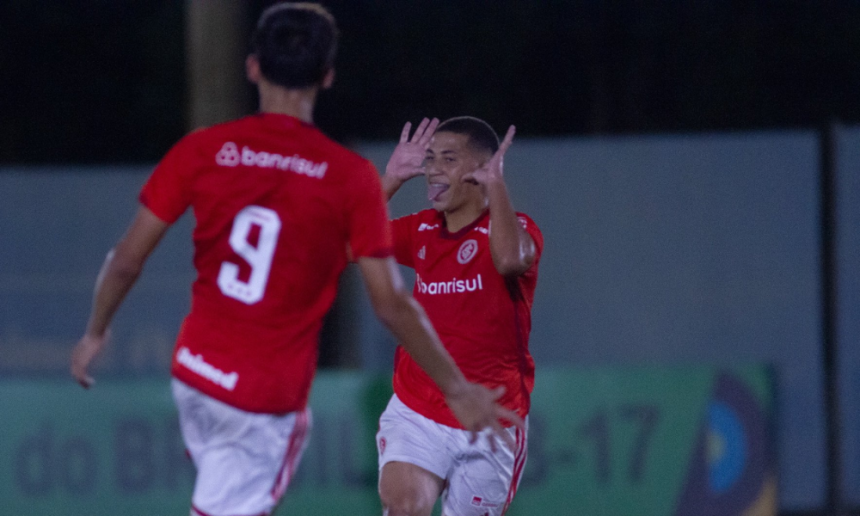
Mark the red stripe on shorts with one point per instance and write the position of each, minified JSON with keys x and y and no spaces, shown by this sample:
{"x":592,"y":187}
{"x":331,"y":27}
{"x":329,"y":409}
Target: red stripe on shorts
{"x":294,"y":449}
{"x":519,"y":462}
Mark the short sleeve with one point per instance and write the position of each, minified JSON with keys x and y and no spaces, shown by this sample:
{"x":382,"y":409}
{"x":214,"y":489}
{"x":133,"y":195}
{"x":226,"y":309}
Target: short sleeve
{"x":402,"y":230}
{"x":167,"y":192}
{"x":369,"y":230}
{"x":534,"y":231}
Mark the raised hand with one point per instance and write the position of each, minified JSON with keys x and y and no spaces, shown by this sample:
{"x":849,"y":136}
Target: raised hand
{"x":477,"y":409}
{"x":407,"y":159}
{"x":492,"y":170}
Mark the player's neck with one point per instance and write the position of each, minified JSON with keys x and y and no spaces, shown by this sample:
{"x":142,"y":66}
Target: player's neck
{"x":457,"y":219}
{"x":295,"y":103}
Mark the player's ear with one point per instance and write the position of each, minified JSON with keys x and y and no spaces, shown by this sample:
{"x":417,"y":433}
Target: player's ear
{"x":328,"y":79}
{"x":252,"y":69}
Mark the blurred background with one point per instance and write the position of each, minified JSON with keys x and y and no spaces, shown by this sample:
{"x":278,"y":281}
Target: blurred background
{"x":694,"y":167}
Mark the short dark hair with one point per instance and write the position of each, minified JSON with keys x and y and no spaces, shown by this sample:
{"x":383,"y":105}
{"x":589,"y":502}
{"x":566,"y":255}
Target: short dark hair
{"x":295,"y":44}
{"x":481,"y":135}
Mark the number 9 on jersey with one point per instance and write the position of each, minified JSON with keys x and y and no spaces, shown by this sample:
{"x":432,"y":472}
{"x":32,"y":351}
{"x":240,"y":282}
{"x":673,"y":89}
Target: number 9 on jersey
{"x":258,"y":257}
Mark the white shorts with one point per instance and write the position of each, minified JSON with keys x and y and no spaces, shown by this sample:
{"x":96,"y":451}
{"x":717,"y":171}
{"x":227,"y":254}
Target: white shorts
{"x":478,"y":481}
{"x":244,"y":460}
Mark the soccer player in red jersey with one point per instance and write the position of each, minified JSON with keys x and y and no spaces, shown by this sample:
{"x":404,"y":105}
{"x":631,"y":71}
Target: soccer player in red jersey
{"x":476,"y":262}
{"x":277,"y":204}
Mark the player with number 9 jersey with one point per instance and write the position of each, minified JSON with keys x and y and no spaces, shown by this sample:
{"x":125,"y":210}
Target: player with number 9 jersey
{"x":276,"y":203}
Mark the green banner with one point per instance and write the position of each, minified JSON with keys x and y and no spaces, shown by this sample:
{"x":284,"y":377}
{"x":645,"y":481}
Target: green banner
{"x":614,"y":442}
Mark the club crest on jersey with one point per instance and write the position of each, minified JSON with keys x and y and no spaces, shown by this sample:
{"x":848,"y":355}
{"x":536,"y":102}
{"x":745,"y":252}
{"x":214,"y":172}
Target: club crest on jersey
{"x":467,"y":251}
{"x":422,"y":253}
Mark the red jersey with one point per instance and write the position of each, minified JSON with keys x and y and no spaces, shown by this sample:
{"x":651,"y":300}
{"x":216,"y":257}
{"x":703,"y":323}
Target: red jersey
{"x":276,"y":204}
{"x":482,"y":317}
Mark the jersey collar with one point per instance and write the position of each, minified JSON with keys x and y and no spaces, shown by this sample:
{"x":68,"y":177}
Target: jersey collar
{"x":444,"y":233}
{"x":284,"y":119}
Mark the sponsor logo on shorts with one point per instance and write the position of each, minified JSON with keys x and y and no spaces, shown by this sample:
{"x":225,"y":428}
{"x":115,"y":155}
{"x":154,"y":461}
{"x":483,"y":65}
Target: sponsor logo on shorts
{"x":199,"y":366}
{"x":467,"y":251}
{"x":229,"y":156}
{"x":477,"y":501}
{"x":449,"y":287}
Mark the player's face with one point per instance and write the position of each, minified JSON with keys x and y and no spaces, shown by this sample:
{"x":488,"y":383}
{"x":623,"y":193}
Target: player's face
{"x":448,"y":159}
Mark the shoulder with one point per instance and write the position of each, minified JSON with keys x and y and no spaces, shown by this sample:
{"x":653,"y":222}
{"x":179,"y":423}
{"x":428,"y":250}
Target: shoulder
{"x":422,"y":219}
{"x":223,"y":130}
{"x":192,"y":139}
{"x":334,"y":152}
{"x":215,"y":138}
{"x":532,"y":229}
{"x":527,"y":222}
{"x":354,"y":174}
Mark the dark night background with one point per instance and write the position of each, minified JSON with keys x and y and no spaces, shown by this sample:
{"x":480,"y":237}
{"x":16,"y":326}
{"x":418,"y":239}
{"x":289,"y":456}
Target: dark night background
{"x":103,"y":81}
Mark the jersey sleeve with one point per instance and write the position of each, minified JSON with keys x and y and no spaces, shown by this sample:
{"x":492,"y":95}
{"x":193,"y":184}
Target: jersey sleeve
{"x":167,"y":192}
{"x":369,"y":231}
{"x":534,"y":231}
{"x":402,"y":229}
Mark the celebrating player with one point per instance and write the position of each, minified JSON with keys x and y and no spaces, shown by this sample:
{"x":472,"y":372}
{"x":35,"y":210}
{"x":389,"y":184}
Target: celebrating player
{"x":476,"y":262}
{"x":276,"y":205}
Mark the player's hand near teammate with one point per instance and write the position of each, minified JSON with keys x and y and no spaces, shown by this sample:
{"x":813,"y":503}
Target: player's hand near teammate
{"x":407,"y":160}
{"x":477,"y":409}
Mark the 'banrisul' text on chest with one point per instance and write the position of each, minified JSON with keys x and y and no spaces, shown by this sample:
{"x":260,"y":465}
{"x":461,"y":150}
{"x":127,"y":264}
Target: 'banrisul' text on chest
{"x":449,"y":287}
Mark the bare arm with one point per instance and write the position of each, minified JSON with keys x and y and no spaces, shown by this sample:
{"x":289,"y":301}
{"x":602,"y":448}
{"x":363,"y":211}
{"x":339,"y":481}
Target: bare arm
{"x":474,"y":405}
{"x":407,"y":159}
{"x":119,"y":272}
{"x":512,"y":248}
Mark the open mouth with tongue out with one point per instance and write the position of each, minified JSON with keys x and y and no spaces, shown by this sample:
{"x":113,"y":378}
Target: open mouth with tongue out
{"x":434,"y":190}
